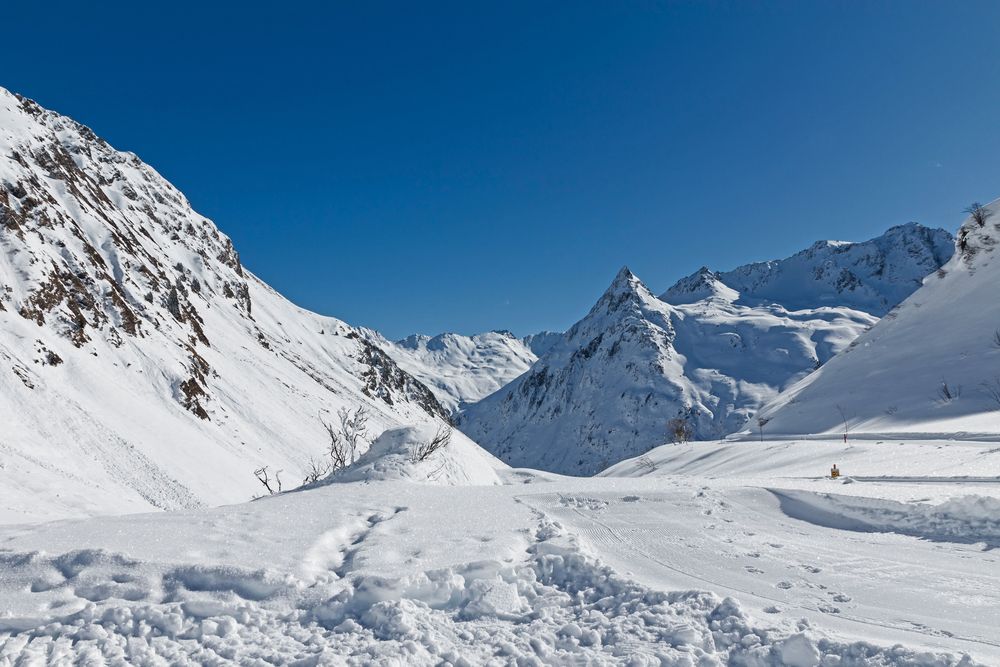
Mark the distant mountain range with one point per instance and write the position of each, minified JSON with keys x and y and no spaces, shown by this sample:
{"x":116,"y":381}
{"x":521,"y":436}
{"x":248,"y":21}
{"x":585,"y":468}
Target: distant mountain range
{"x":709,"y":352}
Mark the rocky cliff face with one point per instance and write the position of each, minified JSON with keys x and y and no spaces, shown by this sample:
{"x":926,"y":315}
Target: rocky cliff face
{"x":141,"y":364}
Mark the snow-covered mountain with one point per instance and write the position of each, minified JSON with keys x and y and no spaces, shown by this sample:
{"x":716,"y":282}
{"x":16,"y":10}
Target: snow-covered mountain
{"x":871,"y":276}
{"x":711,"y":357}
{"x":460,"y":369}
{"x":141,"y":365}
{"x":931,"y":365}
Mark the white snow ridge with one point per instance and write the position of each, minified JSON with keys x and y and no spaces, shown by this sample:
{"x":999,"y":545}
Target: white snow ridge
{"x":149,"y":382}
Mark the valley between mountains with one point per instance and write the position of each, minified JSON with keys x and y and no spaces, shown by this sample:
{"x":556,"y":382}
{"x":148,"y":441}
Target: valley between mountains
{"x":196,"y":471}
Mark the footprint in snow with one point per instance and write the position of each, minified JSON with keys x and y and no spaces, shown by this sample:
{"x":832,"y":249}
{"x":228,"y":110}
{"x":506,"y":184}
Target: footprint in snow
{"x":812,"y":569}
{"x":840,"y":597}
{"x":772,"y":610}
{"x":753,"y":570}
{"x":784,"y":585}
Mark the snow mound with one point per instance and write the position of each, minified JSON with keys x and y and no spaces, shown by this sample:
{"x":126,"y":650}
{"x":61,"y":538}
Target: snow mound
{"x":560,"y":606}
{"x":398,"y":454}
{"x":967,"y":519}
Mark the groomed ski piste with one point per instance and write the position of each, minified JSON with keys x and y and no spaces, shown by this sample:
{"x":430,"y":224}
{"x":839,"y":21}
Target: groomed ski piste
{"x":699,"y":554}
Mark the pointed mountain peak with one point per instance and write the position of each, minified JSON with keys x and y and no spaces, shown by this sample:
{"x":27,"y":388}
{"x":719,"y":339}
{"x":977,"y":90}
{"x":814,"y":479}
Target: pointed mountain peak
{"x":625,"y":288}
{"x":700,"y":285}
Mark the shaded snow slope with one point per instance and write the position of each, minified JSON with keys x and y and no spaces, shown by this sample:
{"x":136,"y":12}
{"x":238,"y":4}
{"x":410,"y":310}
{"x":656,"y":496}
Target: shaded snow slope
{"x":606,"y":390}
{"x":871,"y":276}
{"x":141,"y":365}
{"x":398,"y":454}
{"x":932,"y":365}
{"x":461,"y":369}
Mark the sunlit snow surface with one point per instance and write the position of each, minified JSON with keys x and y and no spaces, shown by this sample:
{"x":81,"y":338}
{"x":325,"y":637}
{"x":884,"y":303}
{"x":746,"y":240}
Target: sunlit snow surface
{"x":685,"y":556}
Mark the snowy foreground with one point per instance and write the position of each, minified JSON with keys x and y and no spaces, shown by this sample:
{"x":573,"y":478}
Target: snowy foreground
{"x":700,"y":554}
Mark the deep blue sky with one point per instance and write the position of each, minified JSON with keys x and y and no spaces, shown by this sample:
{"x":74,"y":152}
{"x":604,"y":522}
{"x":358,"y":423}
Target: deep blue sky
{"x":467,"y":166}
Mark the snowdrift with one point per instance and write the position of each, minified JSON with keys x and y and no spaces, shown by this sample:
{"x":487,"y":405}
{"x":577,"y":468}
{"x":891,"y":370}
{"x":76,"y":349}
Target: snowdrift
{"x":398,"y":454}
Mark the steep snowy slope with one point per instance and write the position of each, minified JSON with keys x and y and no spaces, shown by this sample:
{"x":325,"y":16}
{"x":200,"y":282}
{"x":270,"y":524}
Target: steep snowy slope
{"x":931,"y":365}
{"x":141,"y":365}
{"x":871,"y":276}
{"x":607,"y":390}
{"x":460,"y":369}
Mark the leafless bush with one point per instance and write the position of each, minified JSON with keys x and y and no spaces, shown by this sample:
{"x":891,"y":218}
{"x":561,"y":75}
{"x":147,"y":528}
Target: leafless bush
{"x":979,"y":213}
{"x":948,"y":393}
{"x":346,"y":435}
{"x":891,"y":410}
{"x":996,"y":338}
{"x":679,"y":430}
{"x":440,"y":440}
{"x":317,"y":470}
{"x":991,"y":389}
{"x":263,"y":476}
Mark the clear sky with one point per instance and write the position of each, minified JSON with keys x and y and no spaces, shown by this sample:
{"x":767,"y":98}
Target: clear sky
{"x":428,"y":167}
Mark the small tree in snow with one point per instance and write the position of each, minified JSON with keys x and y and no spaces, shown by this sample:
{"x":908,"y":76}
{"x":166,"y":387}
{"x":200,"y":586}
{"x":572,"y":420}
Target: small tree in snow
{"x":979,"y":213}
{"x":440,"y":440}
{"x":679,"y":430}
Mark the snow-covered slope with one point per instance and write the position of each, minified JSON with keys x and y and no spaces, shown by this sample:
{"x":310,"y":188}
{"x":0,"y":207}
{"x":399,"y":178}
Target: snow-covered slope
{"x":461,"y":369}
{"x":607,"y":390}
{"x":931,"y":365}
{"x":871,"y":276}
{"x":141,"y":365}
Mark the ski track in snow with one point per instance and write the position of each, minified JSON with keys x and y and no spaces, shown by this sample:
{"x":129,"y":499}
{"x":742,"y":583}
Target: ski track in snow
{"x":662,"y":569}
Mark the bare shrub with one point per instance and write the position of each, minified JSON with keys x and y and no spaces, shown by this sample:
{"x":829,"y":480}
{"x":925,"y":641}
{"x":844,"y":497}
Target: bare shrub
{"x":996,"y":338}
{"x":346,"y":436}
{"x":440,"y":440}
{"x":979,"y":213}
{"x":991,"y":389}
{"x":679,"y":430}
{"x":316,"y":470}
{"x":264,"y":477}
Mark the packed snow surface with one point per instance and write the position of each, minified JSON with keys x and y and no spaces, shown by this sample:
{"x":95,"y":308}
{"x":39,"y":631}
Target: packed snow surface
{"x":685,"y":556}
